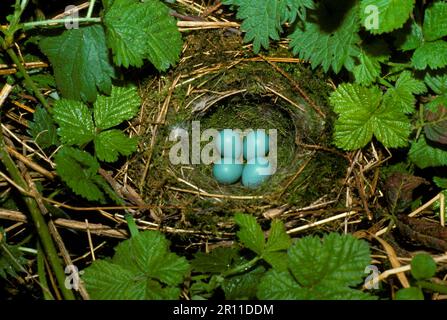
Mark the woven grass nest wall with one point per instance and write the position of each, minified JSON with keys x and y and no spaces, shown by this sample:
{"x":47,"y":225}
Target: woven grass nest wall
{"x":222,"y":85}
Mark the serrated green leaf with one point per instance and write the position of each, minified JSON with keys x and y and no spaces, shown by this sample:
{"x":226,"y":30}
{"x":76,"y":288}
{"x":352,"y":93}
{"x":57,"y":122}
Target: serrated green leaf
{"x":278,"y":239}
{"x":367,"y":70}
{"x":139,"y":30}
{"x":78,"y":169}
{"x":430,"y":54}
{"x":293,"y":8}
{"x":261,"y":21}
{"x":392,"y":14}
{"x":423,"y":266}
{"x":149,"y":253}
{"x":362,"y":115}
{"x":435,"y":21}
{"x":42,"y":129}
{"x":243,"y":286}
{"x":122,"y":104}
{"x":330,"y":38}
{"x":339,"y":260}
{"x":437,"y":81}
{"x":142,"y":268}
{"x":410,"y":37}
{"x":111,"y":143}
{"x":425,"y":155}
{"x":320,"y":269}
{"x":80,"y":61}
{"x":218,"y":260}
{"x":250,"y":233}
{"x":279,"y":285}
{"x":75,"y":122}
{"x":412,"y":293}
{"x":402,"y":95}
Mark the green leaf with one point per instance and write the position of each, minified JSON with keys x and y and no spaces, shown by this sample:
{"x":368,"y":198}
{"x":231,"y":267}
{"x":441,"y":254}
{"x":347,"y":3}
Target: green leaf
{"x":430,"y":54}
{"x":435,"y":127}
{"x":279,"y":285}
{"x":294,"y":8}
{"x":138,"y":30}
{"x":435,"y":21}
{"x":423,"y":155}
{"x":78,"y":169}
{"x":42,"y":129}
{"x":80,"y":61}
{"x":423,"y":266}
{"x":111,"y":143}
{"x":218,"y":260}
{"x":437,"y":81}
{"x":243,"y":286}
{"x":122,"y":104}
{"x":250,"y":233}
{"x":392,"y":13}
{"x":410,"y":37}
{"x":320,"y":269}
{"x":75,"y":122}
{"x":261,"y":21}
{"x":367,"y":70}
{"x":142,"y":268}
{"x":362,"y":115}
{"x":330,"y":38}
{"x":277,"y":244}
{"x":412,"y":293}
{"x":402,"y":95}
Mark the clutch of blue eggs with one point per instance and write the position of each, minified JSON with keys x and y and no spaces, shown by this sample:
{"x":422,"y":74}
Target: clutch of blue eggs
{"x":242,"y":158}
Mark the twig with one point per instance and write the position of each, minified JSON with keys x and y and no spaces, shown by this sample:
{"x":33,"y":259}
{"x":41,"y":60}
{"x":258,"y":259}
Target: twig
{"x":318,"y":223}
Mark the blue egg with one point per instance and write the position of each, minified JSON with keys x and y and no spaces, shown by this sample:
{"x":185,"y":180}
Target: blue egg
{"x":229,"y":144}
{"x":256,"y":171}
{"x":227,"y":170}
{"x":256,"y":144}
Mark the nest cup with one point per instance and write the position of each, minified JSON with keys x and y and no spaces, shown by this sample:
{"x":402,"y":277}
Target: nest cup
{"x":243,"y":95}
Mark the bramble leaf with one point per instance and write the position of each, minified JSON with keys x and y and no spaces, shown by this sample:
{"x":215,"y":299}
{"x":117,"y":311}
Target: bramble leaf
{"x":138,"y":30}
{"x":320,"y":269}
{"x":142,"y":268}
{"x":331,"y":41}
{"x":111,"y":143}
{"x":430,"y":54}
{"x":411,"y":293}
{"x":425,"y":155}
{"x":80,"y":61}
{"x":369,"y":58}
{"x":435,"y":128}
{"x":78,"y":169}
{"x":437,"y":81}
{"x":243,"y":286}
{"x":402,"y":95}
{"x":250,"y":233}
{"x":410,"y":38}
{"x":217,"y":261}
{"x":75,"y":122}
{"x":362,"y":115}
{"x":122,"y":104}
{"x":43,"y":129}
{"x":435,"y":21}
{"x":392,"y":14}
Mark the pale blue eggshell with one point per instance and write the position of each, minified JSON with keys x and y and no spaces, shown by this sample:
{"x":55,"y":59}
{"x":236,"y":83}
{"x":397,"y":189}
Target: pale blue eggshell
{"x":256,"y":171}
{"x":229,"y":144}
{"x":256,"y":144}
{"x":227,"y":170}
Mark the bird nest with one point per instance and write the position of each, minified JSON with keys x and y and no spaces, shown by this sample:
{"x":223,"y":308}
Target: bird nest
{"x":217,"y":86}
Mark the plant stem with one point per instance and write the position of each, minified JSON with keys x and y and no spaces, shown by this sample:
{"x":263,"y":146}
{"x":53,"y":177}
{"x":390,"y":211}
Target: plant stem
{"x":90,"y":9}
{"x":241,"y":268}
{"x":29,"y":82}
{"x":39,"y":221}
{"x":33,"y":24}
